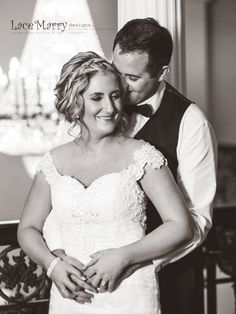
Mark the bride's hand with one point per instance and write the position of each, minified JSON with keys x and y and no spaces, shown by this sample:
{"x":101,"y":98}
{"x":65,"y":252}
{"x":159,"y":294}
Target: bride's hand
{"x":105,"y":267}
{"x":70,"y":280}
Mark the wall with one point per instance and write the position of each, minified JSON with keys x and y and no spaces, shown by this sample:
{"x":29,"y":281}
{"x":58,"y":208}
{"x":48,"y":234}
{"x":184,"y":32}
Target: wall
{"x":12,"y":45}
{"x":14,"y":180}
{"x":104,"y":14}
{"x":210,"y":65}
{"x":223,"y":69}
{"x":196,"y":54}
{"x":211,"y":76}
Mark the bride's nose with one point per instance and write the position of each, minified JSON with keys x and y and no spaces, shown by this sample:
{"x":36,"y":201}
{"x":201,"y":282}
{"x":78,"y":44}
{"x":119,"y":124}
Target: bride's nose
{"x":108,"y":105}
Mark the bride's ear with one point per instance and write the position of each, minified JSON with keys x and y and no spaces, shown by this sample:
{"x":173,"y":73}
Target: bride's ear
{"x":163,"y":72}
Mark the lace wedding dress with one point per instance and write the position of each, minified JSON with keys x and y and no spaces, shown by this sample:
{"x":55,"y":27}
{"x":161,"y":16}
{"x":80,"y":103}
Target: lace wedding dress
{"x":108,"y":213}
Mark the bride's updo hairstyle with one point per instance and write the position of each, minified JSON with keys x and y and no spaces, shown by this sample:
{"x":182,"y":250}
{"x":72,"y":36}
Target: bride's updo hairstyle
{"x":75,"y":78}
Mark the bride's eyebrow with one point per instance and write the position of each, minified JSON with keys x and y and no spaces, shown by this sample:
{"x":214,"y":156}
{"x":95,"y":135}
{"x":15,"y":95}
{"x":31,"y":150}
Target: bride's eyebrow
{"x":96,"y":94}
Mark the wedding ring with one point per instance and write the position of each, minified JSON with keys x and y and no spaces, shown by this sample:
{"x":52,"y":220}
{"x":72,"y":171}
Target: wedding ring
{"x":103,"y":283}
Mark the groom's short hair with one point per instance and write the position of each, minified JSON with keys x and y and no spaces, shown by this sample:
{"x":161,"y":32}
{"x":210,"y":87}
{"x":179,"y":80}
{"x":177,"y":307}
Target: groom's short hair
{"x":146,"y":35}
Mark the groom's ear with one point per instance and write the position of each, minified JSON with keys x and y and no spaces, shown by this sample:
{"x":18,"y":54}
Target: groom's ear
{"x":163,"y":72}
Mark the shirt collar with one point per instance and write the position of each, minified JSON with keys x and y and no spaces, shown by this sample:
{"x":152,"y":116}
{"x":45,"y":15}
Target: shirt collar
{"x":155,"y":100}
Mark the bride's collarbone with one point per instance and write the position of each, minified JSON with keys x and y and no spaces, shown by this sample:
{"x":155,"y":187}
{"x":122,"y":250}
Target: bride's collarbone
{"x":87,"y":166}
{"x":89,"y":169}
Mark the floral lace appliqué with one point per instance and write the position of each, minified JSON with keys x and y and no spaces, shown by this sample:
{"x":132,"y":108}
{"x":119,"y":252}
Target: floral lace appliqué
{"x":46,"y":166}
{"x":148,"y":155}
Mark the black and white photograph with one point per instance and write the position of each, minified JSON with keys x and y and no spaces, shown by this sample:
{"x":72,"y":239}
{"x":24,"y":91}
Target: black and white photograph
{"x":117,"y":157}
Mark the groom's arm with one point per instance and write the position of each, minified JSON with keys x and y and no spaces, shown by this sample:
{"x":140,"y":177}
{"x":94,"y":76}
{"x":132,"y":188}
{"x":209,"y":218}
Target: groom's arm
{"x":196,"y":176}
{"x":197,"y":156}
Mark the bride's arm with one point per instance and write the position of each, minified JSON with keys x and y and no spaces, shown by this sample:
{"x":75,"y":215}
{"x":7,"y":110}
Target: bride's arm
{"x":37,"y":208}
{"x":177,"y":227}
{"x":176,"y":230}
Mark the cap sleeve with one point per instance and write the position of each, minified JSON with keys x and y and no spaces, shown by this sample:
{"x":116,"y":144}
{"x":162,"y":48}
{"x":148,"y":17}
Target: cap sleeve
{"x":149,"y":155}
{"x":47,"y":167}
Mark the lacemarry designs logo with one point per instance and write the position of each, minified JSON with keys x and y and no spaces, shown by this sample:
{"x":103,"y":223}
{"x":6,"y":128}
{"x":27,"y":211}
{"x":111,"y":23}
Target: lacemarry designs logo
{"x":38,"y":25}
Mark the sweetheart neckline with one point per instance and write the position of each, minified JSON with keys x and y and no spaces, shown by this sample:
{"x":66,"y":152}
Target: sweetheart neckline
{"x":84,"y":186}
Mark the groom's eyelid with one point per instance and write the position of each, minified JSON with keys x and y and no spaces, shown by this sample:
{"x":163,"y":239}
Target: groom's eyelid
{"x":133,"y":76}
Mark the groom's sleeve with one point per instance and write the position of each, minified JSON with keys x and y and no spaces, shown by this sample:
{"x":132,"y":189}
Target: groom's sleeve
{"x":52,"y":232}
{"x":196,"y":176}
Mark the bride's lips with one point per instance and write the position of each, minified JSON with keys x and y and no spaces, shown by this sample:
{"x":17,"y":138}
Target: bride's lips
{"x":106,"y":117}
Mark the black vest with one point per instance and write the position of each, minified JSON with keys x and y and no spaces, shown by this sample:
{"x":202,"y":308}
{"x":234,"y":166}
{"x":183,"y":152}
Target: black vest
{"x":162,"y":131}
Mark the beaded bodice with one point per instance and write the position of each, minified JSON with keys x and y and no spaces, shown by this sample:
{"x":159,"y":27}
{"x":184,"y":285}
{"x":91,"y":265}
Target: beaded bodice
{"x":101,"y":214}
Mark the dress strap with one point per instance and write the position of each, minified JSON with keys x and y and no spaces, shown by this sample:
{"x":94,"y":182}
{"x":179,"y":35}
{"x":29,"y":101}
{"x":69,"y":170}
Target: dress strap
{"x":148,"y":155}
{"x":47,"y":167}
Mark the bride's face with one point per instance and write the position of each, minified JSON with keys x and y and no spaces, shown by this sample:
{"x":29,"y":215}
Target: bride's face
{"x":102,"y":104}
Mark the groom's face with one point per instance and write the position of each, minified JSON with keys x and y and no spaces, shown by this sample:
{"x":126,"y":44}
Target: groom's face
{"x":133,"y":67}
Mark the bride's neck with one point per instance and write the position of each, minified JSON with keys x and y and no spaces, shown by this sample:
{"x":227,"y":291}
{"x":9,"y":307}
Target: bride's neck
{"x":93,"y":143}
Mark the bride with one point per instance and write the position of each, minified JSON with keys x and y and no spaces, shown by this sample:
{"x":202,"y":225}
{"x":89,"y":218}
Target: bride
{"x":96,"y":188}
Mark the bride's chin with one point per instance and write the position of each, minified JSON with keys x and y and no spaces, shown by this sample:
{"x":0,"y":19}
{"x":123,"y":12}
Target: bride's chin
{"x":107,"y":131}
{"x":107,"y":125}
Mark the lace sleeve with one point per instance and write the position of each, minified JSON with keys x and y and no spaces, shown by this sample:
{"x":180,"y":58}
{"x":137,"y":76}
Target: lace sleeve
{"x":46,"y":166}
{"x":149,"y":155}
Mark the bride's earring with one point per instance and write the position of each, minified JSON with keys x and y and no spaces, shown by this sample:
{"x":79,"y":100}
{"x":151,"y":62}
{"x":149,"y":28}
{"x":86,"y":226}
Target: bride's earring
{"x":123,"y":122}
{"x":75,"y":129}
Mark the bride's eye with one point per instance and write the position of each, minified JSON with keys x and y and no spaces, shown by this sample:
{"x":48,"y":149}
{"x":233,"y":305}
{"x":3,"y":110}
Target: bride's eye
{"x":115,"y":96}
{"x":96,"y":98}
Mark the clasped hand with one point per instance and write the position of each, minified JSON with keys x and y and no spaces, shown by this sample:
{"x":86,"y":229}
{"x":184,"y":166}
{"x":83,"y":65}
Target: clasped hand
{"x":105,"y":267}
{"x":105,"y":271}
{"x":68,"y":276}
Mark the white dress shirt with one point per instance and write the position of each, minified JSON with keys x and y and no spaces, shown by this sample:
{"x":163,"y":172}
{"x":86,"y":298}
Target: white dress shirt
{"x":196,"y":174}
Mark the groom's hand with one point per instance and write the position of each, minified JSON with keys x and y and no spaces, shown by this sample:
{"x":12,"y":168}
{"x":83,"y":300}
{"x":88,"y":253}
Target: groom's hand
{"x":128,"y":272}
{"x":125,"y":274}
{"x":108,"y":268}
{"x":70,"y":260}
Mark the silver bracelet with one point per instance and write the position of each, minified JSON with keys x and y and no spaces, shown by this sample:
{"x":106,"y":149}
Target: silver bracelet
{"x":52,"y":265}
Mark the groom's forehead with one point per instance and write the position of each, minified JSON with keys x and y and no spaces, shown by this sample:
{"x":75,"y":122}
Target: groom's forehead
{"x":132,"y":63}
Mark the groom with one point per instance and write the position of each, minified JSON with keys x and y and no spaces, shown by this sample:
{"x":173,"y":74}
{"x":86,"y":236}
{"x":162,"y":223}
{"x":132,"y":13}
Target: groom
{"x":173,"y":124}
{"x":141,"y":53}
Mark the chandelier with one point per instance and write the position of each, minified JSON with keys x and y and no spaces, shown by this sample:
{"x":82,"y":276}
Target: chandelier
{"x":29,"y":124}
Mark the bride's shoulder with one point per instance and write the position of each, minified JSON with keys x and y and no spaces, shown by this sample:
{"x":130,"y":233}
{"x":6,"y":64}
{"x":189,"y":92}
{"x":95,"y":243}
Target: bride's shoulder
{"x":134,"y":144}
{"x":61,"y":152}
{"x":146,"y":153}
{"x":140,"y":146}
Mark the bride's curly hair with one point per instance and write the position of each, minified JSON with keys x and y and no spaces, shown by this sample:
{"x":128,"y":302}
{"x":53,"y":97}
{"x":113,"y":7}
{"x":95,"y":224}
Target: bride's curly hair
{"x":74,"y":79}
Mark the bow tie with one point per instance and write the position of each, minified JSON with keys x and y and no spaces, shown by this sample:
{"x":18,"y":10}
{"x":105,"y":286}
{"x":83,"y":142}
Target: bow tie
{"x":145,"y":110}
